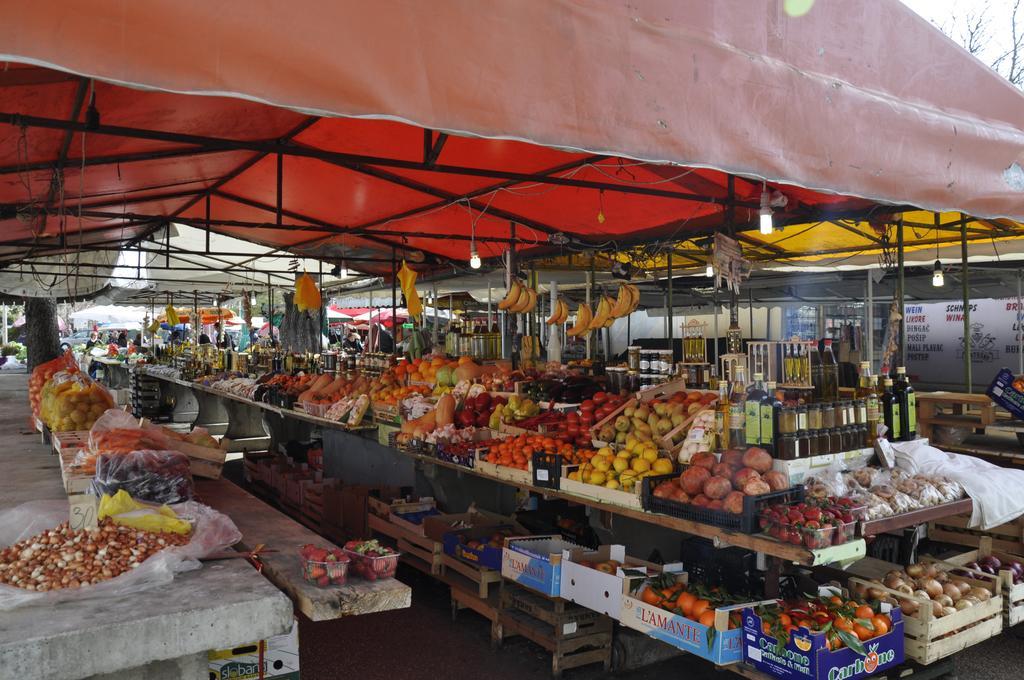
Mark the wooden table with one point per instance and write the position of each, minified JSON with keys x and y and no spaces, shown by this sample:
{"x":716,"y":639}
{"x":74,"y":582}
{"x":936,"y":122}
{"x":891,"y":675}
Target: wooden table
{"x":260,"y":524}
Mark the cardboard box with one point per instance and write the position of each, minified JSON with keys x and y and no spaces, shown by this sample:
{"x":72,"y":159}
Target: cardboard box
{"x":279,"y":657}
{"x":436,"y":526}
{"x":535,"y":562}
{"x":715,"y":643}
{"x":597,"y":590}
{"x":807,"y":655}
{"x":454,"y":543}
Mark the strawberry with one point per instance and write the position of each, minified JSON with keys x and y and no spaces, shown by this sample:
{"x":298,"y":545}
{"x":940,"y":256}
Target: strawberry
{"x":317,"y":571}
{"x":323,"y":581}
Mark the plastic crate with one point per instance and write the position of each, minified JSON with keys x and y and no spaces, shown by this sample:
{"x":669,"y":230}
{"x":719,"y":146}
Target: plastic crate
{"x":381,"y":567}
{"x":745,"y":522}
{"x":547,"y":470}
{"x":335,"y":573}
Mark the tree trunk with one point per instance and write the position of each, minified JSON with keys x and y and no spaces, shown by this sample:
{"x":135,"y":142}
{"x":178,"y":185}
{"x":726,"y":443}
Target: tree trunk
{"x":299,"y":329}
{"x":41,"y":334}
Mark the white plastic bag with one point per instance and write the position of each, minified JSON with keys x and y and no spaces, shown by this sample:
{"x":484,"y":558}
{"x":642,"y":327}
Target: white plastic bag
{"x":213,"y":532}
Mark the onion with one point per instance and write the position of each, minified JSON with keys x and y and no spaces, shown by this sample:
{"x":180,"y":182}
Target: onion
{"x":942,"y":577}
{"x":876,"y":593}
{"x":893,"y":580}
{"x":936,"y":609}
{"x":932,"y":587}
{"x":952,"y":590}
{"x":948,"y":611}
{"x":909,"y":607}
{"x":980,"y":593}
{"x":915,"y":571}
{"x":893,"y":575}
{"x":905,"y":589}
{"x":930,"y":570}
{"x":922,"y":594}
{"x":964,"y":587}
{"x":944,"y":600}
{"x":963,"y":604}
{"x":972,"y":599}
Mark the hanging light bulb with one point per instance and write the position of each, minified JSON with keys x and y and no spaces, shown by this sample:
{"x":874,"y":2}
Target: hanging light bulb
{"x":709,"y":271}
{"x":474,"y":257}
{"x":765,"y":213}
{"x":342,"y":271}
{"x":252,"y":299}
{"x":937,"y":279}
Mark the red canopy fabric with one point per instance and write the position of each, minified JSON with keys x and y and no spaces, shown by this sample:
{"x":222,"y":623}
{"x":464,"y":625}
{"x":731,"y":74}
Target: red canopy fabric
{"x":547,"y":105}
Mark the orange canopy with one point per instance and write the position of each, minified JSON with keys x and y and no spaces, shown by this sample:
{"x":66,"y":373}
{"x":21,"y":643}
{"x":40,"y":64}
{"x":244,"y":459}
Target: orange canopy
{"x":558,"y":116}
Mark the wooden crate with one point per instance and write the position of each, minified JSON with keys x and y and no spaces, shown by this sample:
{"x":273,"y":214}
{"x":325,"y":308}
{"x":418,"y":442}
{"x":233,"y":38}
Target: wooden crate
{"x":482,"y":577}
{"x":1013,"y":594}
{"x":575,"y":636}
{"x":424,"y":553}
{"x":928,"y":639}
{"x":1007,"y":537}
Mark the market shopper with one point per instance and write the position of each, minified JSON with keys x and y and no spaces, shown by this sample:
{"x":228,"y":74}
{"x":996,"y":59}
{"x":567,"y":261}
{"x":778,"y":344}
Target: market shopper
{"x":122,"y":339}
{"x":353,"y":342}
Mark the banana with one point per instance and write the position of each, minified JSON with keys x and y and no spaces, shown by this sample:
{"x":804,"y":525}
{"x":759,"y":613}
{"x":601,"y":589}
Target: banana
{"x":521,"y":303}
{"x":601,"y":315}
{"x":634,"y":293}
{"x":622,"y":302}
{"x":556,"y":312}
{"x":583,"y":319}
{"x":532,"y":305}
{"x":511,"y":296}
{"x":563,"y":311}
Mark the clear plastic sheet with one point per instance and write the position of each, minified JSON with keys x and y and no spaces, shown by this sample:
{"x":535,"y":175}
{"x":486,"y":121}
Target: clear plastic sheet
{"x":212,"y":533}
{"x":154,"y":476}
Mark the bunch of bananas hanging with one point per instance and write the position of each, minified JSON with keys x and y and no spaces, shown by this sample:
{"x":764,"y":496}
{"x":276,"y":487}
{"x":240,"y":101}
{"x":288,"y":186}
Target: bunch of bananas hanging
{"x":608,"y":310}
{"x":519,"y":299}
{"x":560,"y":314}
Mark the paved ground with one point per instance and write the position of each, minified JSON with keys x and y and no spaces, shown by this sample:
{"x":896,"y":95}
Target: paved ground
{"x":423,"y":642}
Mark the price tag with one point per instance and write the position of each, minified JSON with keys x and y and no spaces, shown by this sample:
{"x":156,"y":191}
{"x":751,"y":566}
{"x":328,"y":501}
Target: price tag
{"x":695,"y":434}
{"x":542,"y":475}
{"x":83,"y":511}
{"x":885,"y":452}
{"x":569,"y":628}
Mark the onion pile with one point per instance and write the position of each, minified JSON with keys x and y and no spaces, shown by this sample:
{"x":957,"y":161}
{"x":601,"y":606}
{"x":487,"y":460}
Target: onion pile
{"x":948,"y":594}
{"x":63,"y":558}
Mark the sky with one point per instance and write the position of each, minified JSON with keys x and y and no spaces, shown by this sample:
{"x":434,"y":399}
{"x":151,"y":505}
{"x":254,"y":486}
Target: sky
{"x":950,"y":16}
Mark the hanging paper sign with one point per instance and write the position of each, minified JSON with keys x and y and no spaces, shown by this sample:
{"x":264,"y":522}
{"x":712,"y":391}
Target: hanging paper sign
{"x":730,"y":266}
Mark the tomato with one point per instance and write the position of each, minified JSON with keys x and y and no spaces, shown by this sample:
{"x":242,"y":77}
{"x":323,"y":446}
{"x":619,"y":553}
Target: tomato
{"x":587,"y":406}
{"x":600,"y":397}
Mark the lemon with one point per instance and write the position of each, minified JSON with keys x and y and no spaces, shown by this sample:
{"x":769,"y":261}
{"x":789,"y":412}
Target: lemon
{"x":640,"y":465}
{"x":602,"y":464}
{"x":620,"y":464}
{"x":611,"y":484}
{"x":596,"y":477}
{"x":605,"y":451}
{"x":662,"y":466}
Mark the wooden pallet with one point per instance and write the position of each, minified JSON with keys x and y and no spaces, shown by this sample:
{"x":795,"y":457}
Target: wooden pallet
{"x":575,"y":636}
{"x":1007,"y":537}
{"x":1013,"y":594}
{"x":481,"y":576}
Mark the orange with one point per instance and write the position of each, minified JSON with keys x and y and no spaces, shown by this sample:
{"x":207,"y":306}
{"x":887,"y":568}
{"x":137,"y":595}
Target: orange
{"x":836,"y":600}
{"x":864,"y":612}
{"x":650,"y":596}
{"x":862,"y":632}
{"x":699,"y":607}
{"x":685,"y":603}
{"x":707,"y":618}
{"x":785,"y":619}
{"x":880,"y":624}
{"x":842,"y":623}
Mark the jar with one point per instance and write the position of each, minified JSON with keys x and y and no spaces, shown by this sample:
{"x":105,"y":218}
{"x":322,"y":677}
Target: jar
{"x":803,"y":444}
{"x":814,"y":448}
{"x":666,"y":361}
{"x":823,"y":441}
{"x":813,"y":417}
{"x":835,"y":441}
{"x":863,"y":441}
{"x":801,"y":418}
{"x":860,"y":412}
{"x":632,"y":381}
{"x":633,"y":357}
{"x":787,"y":447}
{"x":645,"y":361}
{"x":846,"y":439}
{"x":787,"y":420}
{"x":648,"y":380}
{"x":828,"y":416}
{"x":851,"y":414}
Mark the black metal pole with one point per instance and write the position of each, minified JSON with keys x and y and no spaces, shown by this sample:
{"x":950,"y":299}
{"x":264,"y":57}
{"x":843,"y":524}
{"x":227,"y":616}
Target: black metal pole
{"x":280,"y":187}
{"x":207,"y":224}
{"x":394,"y":303}
{"x":965,"y":281}
{"x":320,"y":330}
{"x":900,"y":294}
{"x":671,"y":321}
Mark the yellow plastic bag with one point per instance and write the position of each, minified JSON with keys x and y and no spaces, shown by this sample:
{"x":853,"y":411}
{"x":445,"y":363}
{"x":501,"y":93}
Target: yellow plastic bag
{"x":306,"y":294}
{"x":125,"y":510}
{"x":172,"y":316}
{"x":407,"y":280}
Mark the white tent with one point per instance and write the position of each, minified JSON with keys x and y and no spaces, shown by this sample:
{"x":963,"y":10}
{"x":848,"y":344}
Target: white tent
{"x":109,"y":314}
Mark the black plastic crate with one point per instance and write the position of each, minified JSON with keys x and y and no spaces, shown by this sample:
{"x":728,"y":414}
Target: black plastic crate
{"x":547,"y":469}
{"x":745,"y":522}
